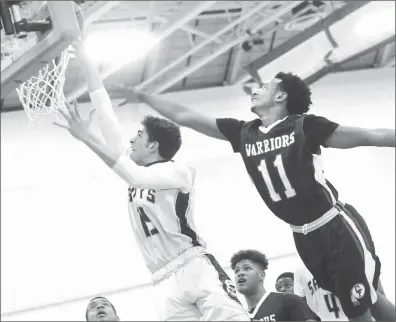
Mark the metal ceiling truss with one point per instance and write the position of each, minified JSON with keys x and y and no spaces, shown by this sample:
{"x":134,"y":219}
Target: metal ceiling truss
{"x":235,"y":57}
{"x":281,"y":11}
{"x":336,"y":13}
{"x":383,"y":55}
{"x":218,"y":34}
{"x":179,"y":19}
{"x":97,"y":10}
{"x":279,"y":23}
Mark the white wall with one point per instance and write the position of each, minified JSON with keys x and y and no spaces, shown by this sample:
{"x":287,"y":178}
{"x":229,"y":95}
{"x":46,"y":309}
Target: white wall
{"x":65,"y":231}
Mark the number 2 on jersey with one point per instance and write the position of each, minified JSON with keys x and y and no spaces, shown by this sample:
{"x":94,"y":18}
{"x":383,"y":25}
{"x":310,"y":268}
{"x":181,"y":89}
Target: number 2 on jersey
{"x":278,"y":164}
{"x":145,"y":222}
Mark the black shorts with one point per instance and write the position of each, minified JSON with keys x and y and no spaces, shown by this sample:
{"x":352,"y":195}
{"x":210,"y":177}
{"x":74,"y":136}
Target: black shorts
{"x":341,"y":257}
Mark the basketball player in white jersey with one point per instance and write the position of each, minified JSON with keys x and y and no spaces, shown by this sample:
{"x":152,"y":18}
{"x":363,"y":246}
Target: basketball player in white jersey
{"x":323,"y":303}
{"x":327,"y":305}
{"x":190,"y":282}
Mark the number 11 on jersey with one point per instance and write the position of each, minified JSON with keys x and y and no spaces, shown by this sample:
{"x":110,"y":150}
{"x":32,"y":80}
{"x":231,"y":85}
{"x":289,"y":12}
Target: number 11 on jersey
{"x":278,"y":164}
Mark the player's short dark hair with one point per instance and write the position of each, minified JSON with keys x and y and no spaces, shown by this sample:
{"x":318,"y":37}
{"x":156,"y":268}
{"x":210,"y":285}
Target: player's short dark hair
{"x":251,"y":254}
{"x":298,"y":93}
{"x":286,"y":274}
{"x":166,"y":133}
{"x":95,"y":298}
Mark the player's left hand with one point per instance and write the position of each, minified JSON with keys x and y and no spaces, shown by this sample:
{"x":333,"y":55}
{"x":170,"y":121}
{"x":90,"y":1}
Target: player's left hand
{"x":75,"y":124}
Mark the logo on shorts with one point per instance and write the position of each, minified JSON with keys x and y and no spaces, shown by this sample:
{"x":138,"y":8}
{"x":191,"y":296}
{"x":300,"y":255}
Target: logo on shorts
{"x":357,"y":293}
{"x":230,"y":288}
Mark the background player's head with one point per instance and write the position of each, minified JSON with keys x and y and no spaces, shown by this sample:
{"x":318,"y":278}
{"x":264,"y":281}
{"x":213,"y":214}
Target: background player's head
{"x":286,"y":94}
{"x":249,"y":268}
{"x":285,"y":283}
{"x":100,"y":309}
{"x":159,"y":139}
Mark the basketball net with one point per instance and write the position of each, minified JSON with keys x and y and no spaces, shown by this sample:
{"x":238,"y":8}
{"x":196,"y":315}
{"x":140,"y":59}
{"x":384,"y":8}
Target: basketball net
{"x":42,"y":94}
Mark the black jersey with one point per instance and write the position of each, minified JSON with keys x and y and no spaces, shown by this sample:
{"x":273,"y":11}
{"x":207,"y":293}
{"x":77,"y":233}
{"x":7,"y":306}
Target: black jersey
{"x":275,"y":306}
{"x":284,"y":163}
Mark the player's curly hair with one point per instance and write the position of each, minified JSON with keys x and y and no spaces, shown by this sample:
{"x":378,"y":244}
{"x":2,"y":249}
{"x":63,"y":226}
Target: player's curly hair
{"x":286,"y":274}
{"x":166,"y":133}
{"x":251,"y":254}
{"x":298,"y":93}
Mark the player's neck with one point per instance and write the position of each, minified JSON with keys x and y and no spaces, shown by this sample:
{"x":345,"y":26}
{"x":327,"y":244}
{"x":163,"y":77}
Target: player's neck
{"x":272,"y":115}
{"x":253,"y":299}
{"x":153,"y":159}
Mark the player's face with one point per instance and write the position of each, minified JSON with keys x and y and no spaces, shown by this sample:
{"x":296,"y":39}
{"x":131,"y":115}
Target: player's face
{"x":248,"y":276}
{"x":285,"y":285}
{"x":265,"y":97}
{"x":139,"y":147}
{"x":101,"y":310}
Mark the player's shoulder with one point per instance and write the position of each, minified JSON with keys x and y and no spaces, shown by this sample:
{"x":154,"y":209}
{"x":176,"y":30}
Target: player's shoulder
{"x":172,"y":165}
{"x":251,"y":124}
{"x":279,"y":296}
{"x":179,"y":170}
{"x":290,"y":298}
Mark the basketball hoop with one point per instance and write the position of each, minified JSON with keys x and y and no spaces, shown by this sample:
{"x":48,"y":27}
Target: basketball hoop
{"x":42,"y":94}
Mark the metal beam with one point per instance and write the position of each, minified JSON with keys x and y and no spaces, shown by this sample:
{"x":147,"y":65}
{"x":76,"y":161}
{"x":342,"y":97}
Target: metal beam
{"x":161,"y":19}
{"x":311,"y":31}
{"x":151,"y":59}
{"x":175,"y":78}
{"x":383,"y":44}
{"x":202,"y":44}
{"x":236,"y":53}
{"x":390,"y":63}
{"x":97,"y":10}
{"x":127,"y":23}
{"x":150,"y":17}
{"x":189,"y":57}
{"x":336,"y":66}
{"x":183,"y":18}
{"x":197,"y":32}
{"x":383,"y":55}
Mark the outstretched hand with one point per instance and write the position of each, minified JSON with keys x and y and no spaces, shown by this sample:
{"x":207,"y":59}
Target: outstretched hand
{"x":129,"y":94}
{"x":75,"y":124}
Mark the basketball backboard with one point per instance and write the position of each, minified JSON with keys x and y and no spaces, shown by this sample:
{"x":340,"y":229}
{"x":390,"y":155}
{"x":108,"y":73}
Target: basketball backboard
{"x":32,"y":34}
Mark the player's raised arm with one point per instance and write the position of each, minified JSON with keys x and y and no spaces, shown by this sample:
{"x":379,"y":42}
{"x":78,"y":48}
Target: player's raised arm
{"x":345,"y":137}
{"x":100,"y":99}
{"x":320,"y":131}
{"x":160,"y":176}
{"x":173,"y":111}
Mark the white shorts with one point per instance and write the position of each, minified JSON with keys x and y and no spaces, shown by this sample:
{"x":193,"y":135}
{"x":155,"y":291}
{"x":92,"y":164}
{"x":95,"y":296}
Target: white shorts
{"x":199,"y":291}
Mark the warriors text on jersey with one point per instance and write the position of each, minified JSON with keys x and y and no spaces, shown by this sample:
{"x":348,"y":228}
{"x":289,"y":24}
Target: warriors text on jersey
{"x":162,"y":219}
{"x":274,"y":306}
{"x":284,"y":163}
{"x":322,"y":302}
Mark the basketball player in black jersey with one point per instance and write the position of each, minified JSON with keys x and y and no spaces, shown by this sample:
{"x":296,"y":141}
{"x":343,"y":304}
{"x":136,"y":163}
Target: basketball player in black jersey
{"x":101,"y":309}
{"x":281,"y":150}
{"x":249,"y":267}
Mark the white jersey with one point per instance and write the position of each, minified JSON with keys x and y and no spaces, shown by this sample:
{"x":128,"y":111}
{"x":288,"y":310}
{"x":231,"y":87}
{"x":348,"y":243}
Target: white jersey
{"x":324,"y":303}
{"x":162,"y":220}
{"x":160,"y":195}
